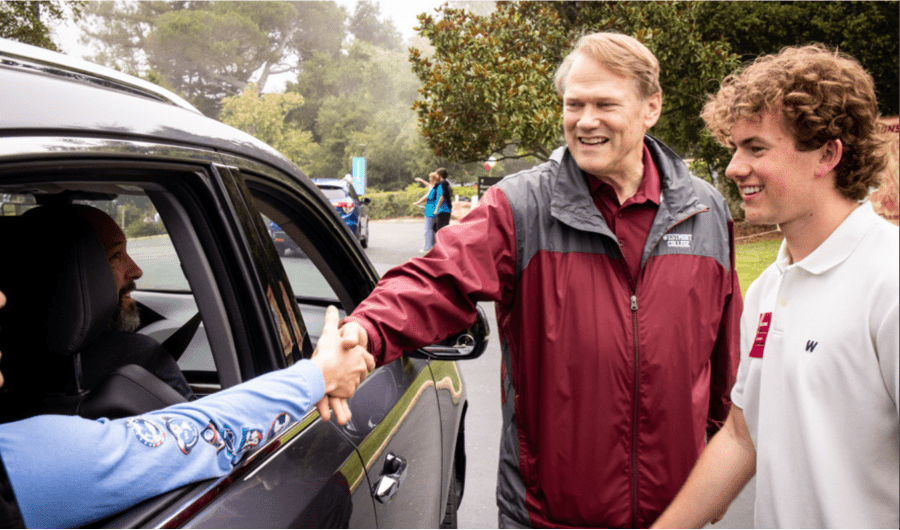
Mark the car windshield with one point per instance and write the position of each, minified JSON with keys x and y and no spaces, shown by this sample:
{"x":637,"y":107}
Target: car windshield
{"x":334,"y":194}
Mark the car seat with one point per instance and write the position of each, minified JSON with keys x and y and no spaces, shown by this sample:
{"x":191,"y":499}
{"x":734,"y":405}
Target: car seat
{"x":61,"y":296}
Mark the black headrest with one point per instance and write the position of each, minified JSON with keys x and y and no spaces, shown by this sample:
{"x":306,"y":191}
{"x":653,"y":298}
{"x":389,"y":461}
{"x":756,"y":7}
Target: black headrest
{"x":128,"y":391}
{"x":63,"y":294}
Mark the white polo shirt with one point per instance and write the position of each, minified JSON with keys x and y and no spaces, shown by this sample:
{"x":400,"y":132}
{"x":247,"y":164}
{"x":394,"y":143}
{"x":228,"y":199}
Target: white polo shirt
{"x":818,"y":381}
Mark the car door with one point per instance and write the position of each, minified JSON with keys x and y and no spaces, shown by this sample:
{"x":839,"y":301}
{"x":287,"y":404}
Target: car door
{"x":311,"y":476}
{"x":396,"y":426}
{"x":396,"y":422}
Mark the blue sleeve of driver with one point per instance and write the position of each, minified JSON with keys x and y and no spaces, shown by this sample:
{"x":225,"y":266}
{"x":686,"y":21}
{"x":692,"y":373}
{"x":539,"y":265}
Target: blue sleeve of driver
{"x":67,"y":471}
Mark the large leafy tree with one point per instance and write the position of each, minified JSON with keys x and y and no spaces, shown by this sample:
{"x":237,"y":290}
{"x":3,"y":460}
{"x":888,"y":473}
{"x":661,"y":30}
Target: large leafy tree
{"x":365,"y":25}
{"x":487,"y":89}
{"x":210,"y":50}
{"x":263,"y":116}
{"x":31,"y":21}
{"x":359,"y":105}
{"x":865,"y":30}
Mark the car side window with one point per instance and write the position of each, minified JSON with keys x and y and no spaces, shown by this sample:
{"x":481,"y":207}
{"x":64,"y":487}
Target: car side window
{"x":163,"y":294}
{"x":149,"y":244}
{"x":163,"y":290}
{"x":306,"y":279}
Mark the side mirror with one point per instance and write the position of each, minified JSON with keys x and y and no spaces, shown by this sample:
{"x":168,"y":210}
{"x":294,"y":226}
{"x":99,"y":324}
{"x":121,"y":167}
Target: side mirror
{"x":366,"y":200}
{"x":467,"y":344}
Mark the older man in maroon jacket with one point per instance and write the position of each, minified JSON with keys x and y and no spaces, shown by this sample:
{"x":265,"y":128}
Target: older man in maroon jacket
{"x":612,"y":269}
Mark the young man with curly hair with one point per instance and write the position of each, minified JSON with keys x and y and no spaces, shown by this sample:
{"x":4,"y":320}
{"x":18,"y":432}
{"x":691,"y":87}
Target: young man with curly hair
{"x":814,"y":412}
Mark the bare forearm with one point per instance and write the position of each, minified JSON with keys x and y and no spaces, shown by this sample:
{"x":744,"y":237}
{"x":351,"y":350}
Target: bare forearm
{"x":724,"y":468}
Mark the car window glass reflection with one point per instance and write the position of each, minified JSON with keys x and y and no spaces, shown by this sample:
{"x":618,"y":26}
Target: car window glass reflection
{"x":306,"y":280}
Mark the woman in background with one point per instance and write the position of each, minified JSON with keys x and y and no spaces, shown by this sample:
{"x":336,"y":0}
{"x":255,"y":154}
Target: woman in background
{"x":430,"y":199}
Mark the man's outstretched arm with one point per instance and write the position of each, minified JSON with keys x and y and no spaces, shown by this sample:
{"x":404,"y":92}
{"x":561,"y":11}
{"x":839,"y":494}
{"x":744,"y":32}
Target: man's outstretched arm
{"x":67,"y":471}
{"x":724,"y":468}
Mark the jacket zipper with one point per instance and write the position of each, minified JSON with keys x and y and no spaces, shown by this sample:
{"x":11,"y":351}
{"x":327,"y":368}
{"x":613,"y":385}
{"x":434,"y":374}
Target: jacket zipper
{"x":635,"y":516}
{"x":634,"y":419}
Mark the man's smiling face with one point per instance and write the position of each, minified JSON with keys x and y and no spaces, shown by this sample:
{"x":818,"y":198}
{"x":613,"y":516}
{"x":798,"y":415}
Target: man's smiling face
{"x":775,"y":178}
{"x":605,"y":119}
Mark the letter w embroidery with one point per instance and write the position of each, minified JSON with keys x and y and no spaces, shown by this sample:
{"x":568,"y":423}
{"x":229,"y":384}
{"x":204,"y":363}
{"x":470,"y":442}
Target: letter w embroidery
{"x":811,"y":345}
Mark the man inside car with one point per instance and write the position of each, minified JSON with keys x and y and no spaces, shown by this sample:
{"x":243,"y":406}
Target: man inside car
{"x":67,"y":471}
{"x":121,"y":345}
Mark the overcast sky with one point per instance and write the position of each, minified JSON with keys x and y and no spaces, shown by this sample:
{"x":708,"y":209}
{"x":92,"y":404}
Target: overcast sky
{"x":402,"y":13}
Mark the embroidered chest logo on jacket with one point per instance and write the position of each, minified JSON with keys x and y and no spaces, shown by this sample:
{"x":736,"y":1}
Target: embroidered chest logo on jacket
{"x":678,"y":240}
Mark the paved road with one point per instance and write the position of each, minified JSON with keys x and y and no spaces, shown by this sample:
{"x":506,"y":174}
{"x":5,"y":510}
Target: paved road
{"x":394,"y":242}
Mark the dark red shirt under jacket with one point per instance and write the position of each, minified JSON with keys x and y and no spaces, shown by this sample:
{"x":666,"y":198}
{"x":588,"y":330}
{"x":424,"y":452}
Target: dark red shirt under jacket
{"x":631,"y":221}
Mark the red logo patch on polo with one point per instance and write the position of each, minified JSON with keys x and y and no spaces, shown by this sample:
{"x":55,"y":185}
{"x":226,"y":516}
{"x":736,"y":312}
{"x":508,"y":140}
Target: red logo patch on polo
{"x":762,"y":332}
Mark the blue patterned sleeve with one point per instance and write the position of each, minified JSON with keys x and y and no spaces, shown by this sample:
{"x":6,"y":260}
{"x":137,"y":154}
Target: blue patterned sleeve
{"x":67,"y":471}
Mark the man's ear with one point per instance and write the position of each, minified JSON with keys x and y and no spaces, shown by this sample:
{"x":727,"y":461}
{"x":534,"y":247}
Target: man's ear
{"x":652,"y":110}
{"x":832,"y":152}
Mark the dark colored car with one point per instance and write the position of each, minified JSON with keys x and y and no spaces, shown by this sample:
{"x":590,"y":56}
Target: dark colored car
{"x":71,"y":131}
{"x":283,"y":242}
{"x":353,"y":210}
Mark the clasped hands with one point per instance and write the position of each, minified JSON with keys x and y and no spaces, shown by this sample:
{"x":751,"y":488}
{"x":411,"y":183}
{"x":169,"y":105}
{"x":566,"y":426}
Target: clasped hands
{"x":342,"y":357}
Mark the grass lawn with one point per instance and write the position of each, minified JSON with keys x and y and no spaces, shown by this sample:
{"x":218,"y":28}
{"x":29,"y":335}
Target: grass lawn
{"x":753,"y":258}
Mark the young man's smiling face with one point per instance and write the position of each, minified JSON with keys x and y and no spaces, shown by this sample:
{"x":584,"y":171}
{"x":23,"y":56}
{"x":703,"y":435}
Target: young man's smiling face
{"x":776,"y":180}
{"x":605,"y":120}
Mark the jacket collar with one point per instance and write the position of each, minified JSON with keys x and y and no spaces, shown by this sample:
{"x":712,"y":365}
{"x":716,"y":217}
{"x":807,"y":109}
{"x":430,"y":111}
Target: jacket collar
{"x":571,"y":202}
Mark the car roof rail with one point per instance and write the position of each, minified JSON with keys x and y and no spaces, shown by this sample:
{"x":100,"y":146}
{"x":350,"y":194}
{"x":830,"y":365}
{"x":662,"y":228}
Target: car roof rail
{"x":24,"y":56}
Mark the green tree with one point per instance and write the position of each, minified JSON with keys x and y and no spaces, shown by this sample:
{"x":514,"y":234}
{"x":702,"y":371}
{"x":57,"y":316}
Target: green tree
{"x":488,"y":87}
{"x":365,"y":25}
{"x":263,"y":116}
{"x":359,"y":104}
{"x":120,"y":30}
{"x":865,"y":30}
{"x":210,"y":50}
{"x":30,"y":21}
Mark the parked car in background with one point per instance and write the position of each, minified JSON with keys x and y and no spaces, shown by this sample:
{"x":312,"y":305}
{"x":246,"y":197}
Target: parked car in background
{"x":283,"y":243}
{"x":75,"y":132}
{"x":353,"y":210}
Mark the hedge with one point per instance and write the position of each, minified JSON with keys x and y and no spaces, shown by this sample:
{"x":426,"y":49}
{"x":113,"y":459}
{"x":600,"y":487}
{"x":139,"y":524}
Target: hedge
{"x":392,"y":204}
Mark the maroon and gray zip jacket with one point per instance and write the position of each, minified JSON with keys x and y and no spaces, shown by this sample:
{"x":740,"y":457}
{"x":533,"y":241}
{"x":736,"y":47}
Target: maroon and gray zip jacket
{"x":609,"y":385}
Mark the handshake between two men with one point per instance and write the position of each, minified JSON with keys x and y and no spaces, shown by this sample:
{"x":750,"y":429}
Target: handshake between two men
{"x":344,"y":361}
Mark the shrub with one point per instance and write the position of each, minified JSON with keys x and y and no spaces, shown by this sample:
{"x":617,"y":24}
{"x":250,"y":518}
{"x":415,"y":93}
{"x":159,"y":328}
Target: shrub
{"x":392,"y":204}
{"x":140,"y":228}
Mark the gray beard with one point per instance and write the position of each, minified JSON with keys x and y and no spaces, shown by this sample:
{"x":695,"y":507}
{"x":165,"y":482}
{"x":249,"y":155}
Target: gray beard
{"x":126,"y":319}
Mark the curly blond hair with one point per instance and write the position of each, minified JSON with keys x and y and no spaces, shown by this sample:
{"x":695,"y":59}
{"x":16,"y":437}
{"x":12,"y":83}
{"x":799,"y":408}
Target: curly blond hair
{"x":822,"y":95}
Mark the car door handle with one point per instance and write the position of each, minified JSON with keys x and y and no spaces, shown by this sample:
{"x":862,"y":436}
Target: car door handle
{"x":392,"y":478}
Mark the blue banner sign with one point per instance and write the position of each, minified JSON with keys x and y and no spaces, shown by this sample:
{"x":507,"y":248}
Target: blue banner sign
{"x":359,"y":175}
